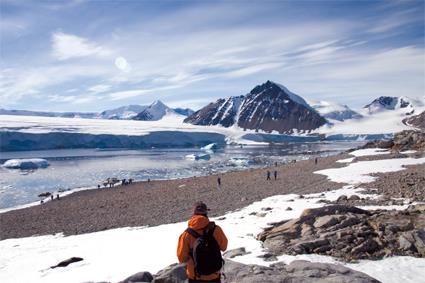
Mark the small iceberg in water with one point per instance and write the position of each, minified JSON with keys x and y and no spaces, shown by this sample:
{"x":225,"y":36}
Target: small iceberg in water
{"x":212,"y":147}
{"x":26,"y":164}
{"x":201,"y":156}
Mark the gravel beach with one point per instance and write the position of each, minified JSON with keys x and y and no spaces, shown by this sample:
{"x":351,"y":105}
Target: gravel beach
{"x":159,"y":202}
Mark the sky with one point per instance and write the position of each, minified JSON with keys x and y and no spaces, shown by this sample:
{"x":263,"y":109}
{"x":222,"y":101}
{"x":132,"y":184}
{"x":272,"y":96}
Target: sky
{"x":82,"y":55}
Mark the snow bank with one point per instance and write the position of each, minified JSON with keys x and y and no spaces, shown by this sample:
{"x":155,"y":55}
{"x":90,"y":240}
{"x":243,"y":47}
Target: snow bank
{"x":369,"y":151}
{"x":358,"y":172}
{"x":26,"y":164}
{"x":115,"y":254}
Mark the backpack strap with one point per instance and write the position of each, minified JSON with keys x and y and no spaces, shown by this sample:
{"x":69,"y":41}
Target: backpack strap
{"x":193,"y":233}
{"x":210,"y":228}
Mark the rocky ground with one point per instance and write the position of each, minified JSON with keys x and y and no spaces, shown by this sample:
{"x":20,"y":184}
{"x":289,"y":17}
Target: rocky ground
{"x":350,"y":233}
{"x":159,"y":202}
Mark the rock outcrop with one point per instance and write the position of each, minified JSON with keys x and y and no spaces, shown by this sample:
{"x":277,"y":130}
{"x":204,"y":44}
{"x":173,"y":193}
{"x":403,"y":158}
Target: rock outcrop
{"x":298,"y":271}
{"x":405,"y":140}
{"x":350,"y":233}
{"x":417,"y":121}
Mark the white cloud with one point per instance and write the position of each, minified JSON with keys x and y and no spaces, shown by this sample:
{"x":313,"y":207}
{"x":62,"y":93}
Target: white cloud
{"x":67,"y":46}
{"x":122,"y":64}
{"x":99,"y":88}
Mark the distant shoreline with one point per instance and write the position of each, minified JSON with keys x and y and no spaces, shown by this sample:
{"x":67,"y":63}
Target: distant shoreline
{"x":163,"y":201}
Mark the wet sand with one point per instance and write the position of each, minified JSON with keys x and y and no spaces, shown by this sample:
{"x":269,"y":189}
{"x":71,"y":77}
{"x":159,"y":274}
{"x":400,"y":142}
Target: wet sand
{"x":159,"y":202}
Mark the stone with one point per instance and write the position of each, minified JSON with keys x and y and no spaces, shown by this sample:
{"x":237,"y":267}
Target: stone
{"x":342,"y":198}
{"x":288,"y":208}
{"x":143,"y":276}
{"x":175,"y":273}
{"x":235,"y":252}
{"x":327,"y":221}
{"x":354,"y":198}
{"x":67,"y":262}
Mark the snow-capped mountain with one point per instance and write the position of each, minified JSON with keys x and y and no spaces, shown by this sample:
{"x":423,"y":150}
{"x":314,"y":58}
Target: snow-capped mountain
{"x":334,"y":111}
{"x":268,"y":107}
{"x":384,"y":103}
{"x":123,"y":112}
{"x":154,"y":112}
{"x":222,"y":112}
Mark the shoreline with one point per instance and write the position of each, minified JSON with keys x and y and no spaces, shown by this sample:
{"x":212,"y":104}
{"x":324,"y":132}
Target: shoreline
{"x":164,"y":201}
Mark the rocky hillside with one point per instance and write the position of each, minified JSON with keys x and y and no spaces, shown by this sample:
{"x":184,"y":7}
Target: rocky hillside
{"x":402,"y":141}
{"x":350,"y":233}
{"x":222,"y":112}
{"x":268,"y":107}
{"x":417,"y":121}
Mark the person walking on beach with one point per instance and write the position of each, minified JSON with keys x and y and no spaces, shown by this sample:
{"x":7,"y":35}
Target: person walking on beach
{"x":275,"y":175}
{"x":268,"y":175}
{"x":200,"y":247}
{"x":315,"y":160}
{"x":219,"y":181}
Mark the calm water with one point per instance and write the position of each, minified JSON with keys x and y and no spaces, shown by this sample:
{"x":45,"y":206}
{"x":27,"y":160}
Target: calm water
{"x":77,"y":168}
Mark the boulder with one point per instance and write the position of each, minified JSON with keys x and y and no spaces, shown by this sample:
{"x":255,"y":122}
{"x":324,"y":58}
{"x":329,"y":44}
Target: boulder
{"x":139,"y":277}
{"x":175,"y":273}
{"x":235,"y":253}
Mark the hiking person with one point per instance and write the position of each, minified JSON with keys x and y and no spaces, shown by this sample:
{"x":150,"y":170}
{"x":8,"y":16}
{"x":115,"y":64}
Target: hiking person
{"x":219,"y":181}
{"x":200,"y":247}
{"x":268,"y":175}
{"x":275,"y":174}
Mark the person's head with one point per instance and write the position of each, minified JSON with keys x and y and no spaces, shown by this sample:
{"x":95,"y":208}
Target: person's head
{"x":200,"y":209}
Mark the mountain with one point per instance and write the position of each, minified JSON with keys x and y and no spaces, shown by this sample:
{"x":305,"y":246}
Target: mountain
{"x":48,"y":114}
{"x":154,"y":112}
{"x":384,"y":103}
{"x":222,"y":112}
{"x":334,"y":111}
{"x":184,"y":111}
{"x":268,"y":107}
{"x":417,"y":121}
{"x":123,"y":112}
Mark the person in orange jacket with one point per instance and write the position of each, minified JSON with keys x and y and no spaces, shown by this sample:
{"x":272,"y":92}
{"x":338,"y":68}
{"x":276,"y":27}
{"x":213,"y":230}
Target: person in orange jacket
{"x":199,"y":222}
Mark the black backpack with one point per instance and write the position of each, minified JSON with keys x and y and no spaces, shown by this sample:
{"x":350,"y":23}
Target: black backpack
{"x":206,"y":252}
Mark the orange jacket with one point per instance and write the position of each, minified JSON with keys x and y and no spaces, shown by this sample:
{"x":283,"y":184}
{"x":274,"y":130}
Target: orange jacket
{"x":186,"y":241}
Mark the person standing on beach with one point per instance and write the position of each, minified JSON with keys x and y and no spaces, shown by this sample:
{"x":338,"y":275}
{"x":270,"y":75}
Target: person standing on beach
{"x":219,"y":181}
{"x":268,"y":175}
{"x":200,"y":247}
{"x":275,"y":175}
{"x":315,"y":160}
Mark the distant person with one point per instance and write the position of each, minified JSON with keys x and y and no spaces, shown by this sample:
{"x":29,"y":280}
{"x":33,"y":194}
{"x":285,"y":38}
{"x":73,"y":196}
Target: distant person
{"x":57,"y":196}
{"x":219,"y":181}
{"x":122,"y":182}
{"x":51,"y":197}
{"x":130,"y":181}
{"x":275,"y":174}
{"x":275,"y":164}
{"x":98,"y":186}
{"x":200,"y":247}
{"x":268,"y":175}
{"x":315,"y":160}
{"x":149,"y":180}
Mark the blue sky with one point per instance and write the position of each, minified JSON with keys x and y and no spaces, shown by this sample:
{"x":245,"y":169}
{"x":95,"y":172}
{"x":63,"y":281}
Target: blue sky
{"x":82,"y":55}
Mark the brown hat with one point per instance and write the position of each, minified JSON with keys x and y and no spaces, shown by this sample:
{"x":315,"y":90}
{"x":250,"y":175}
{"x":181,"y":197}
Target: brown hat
{"x":200,"y":208}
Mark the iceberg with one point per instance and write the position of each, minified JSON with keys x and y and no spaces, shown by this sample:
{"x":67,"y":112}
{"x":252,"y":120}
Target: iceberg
{"x":201,"y":156}
{"x":212,"y":147}
{"x":24,"y":164}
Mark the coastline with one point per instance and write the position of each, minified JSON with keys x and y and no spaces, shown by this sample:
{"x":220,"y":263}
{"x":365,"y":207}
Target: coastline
{"x":163,"y":201}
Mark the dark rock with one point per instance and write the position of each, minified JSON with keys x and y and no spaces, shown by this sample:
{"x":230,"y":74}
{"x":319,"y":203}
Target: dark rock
{"x":175,"y":273}
{"x":67,"y":262}
{"x":139,"y":277}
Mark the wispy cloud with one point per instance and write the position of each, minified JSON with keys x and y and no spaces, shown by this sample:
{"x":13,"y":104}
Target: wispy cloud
{"x":67,"y":46}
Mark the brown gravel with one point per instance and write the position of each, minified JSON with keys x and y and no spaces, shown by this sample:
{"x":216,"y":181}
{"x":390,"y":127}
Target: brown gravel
{"x":160,"y":202}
